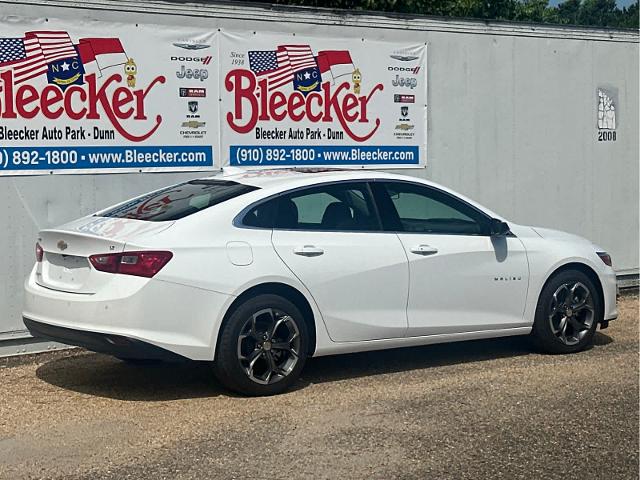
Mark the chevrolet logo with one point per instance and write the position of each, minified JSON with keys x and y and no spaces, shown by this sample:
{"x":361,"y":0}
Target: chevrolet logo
{"x":192,"y":124}
{"x":62,"y":245}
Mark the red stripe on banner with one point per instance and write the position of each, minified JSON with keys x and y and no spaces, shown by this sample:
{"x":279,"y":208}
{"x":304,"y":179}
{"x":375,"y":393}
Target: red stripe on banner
{"x":323,"y":63}
{"x":54,"y":45}
{"x":48,"y":35}
{"x":87,"y":55}
{"x":336,"y":57}
{"x":101,"y":46}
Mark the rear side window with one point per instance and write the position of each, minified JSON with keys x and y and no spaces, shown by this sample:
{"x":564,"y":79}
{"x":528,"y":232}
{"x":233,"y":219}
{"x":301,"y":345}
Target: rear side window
{"x":334,"y":207}
{"x":262,"y":215}
{"x":179,"y":201}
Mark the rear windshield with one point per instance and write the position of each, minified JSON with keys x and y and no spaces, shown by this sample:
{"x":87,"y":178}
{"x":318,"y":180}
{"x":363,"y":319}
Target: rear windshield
{"x":179,"y":201}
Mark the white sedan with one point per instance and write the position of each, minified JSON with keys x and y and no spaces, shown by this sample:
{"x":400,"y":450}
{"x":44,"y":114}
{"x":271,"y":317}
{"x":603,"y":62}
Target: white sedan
{"x":257,"y":271}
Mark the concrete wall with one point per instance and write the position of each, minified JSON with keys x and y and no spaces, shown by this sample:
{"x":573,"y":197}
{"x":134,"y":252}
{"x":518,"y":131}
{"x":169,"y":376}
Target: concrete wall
{"x":511,"y":123}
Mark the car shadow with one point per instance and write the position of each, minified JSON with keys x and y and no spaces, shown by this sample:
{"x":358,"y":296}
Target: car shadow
{"x":105,"y":376}
{"x":340,"y":367}
{"x":600,"y":339}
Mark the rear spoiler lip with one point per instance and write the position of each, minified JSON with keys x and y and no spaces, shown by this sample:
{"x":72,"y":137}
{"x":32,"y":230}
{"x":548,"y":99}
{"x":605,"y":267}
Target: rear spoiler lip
{"x":109,"y":228}
{"x":72,"y":239}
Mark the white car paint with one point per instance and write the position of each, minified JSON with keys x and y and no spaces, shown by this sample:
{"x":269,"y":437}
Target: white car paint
{"x":444,"y":294}
{"x":343,"y":278}
{"x":366,"y":291}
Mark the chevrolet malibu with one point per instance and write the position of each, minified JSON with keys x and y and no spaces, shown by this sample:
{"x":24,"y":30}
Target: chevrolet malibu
{"x":257,"y":271}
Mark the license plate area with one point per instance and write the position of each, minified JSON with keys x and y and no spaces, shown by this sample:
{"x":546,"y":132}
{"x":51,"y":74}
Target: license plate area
{"x":65,"y":272}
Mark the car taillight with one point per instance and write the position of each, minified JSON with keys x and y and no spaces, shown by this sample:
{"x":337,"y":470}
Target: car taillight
{"x":39,"y":252}
{"x":140,"y":264}
{"x":605,"y":257}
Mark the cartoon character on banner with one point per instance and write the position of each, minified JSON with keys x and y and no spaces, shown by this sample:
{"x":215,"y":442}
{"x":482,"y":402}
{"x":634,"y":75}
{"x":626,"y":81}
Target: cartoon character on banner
{"x":131,"y":70}
{"x":356,"y":78}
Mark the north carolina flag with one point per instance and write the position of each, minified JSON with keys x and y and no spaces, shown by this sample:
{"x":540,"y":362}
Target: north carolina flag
{"x":338,"y":62}
{"x":100,"y":53}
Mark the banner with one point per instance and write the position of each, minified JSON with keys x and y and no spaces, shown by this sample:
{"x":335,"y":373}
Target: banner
{"x":88,"y":97}
{"x":305,"y":101}
{"x":91,"y":97}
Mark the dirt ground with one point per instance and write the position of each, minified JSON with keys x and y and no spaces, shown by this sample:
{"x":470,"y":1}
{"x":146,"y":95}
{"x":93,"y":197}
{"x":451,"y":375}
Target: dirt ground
{"x":482,"y":409}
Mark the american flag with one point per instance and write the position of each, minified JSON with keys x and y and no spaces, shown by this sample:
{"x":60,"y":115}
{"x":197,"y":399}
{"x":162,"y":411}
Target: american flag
{"x":278,"y":66}
{"x":55,"y":45}
{"x":28,"y":57}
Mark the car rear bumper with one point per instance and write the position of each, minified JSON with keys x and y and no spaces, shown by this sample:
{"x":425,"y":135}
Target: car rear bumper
{"x":180,"y":319}
{"x":116,"y":345}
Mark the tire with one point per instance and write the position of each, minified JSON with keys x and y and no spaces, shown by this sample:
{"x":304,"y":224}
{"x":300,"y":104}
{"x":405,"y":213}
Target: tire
{"x":252,"y":358}
{"x":566,"y":323}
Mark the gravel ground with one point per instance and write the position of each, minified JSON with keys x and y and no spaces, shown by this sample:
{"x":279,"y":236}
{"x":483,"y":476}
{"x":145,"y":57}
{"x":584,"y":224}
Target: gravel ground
{"x":482,"y":409}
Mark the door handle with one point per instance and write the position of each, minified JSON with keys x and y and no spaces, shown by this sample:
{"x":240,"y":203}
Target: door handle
{"x":424,"y":250}
{"x":308,"y":251}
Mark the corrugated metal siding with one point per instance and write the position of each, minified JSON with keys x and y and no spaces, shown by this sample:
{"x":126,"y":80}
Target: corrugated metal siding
{"x":512,"y":115}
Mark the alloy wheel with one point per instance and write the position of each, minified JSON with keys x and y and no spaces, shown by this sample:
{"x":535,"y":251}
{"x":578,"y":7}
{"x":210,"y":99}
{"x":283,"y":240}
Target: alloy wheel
{"x":268,"y":346}
{"x":572,"y":312}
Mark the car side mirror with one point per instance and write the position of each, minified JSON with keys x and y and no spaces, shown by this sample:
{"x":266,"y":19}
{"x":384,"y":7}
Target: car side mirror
{"x":498,"y":228}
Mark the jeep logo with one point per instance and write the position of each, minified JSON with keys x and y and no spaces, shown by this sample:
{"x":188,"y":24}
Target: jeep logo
{"x":196,"y":73}
{"x":405,"y":82}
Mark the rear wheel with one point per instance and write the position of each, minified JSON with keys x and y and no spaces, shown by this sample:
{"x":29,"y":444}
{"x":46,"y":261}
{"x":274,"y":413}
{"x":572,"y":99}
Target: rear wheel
{"x":262,"y":347}
{"x":568,"y":313}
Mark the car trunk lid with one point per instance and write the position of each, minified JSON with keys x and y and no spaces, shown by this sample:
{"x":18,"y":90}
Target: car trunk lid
{"x":65,"y":264}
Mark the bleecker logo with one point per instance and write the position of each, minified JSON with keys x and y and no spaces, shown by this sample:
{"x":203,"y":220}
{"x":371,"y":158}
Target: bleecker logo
{"x":204,"y":60}
{"x":74,"y":91}
{"x":321,"y":90}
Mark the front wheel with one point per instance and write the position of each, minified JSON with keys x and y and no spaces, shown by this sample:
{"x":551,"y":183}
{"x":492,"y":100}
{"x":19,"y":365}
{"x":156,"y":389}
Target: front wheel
{"x":262,"y":347}
{"x":568,"y":312}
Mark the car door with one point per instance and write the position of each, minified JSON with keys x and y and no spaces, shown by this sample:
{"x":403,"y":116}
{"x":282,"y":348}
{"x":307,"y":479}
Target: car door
{"x":330,"y":237}
{"x":462,"y":279}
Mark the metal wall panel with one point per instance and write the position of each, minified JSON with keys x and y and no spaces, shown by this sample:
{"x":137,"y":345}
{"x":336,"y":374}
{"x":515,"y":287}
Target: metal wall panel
{"x":511,"y":123}
{"x":30,"y":204}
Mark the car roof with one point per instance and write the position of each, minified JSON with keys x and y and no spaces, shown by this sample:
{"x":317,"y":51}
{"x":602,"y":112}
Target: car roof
{"x":272,"y":181}
{"x":283,"y":177}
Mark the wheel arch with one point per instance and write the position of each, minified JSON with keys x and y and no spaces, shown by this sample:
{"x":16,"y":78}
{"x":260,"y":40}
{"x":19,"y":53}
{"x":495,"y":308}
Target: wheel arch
{"x":281,"y":289}
{"x":589,"y":272}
